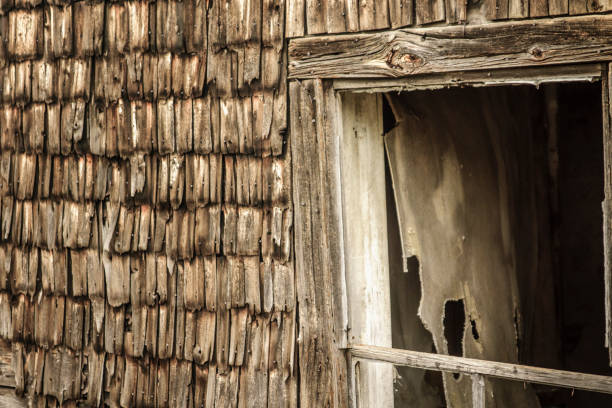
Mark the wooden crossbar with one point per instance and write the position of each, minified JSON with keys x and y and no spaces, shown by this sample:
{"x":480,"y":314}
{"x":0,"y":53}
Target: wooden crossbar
{"x":413,"y":51}
{"x":475,"y":368}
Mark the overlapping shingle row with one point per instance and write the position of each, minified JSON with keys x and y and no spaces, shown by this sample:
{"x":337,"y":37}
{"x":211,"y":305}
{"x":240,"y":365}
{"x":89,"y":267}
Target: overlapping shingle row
{"x":145,"y":203}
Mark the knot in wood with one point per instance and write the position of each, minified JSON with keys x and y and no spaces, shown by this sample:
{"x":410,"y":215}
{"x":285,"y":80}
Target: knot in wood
{"x":402,"y":60}
{"x":536,"y":52}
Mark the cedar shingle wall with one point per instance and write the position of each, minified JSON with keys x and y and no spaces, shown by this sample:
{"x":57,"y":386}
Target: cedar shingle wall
{"x":146,"y":217}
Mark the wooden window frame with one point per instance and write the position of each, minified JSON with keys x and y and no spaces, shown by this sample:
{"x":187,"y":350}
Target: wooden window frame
{"x":571,"y":49}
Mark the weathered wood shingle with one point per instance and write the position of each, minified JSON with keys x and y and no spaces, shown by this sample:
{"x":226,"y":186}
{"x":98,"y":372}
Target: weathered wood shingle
{"x":145,"y":201}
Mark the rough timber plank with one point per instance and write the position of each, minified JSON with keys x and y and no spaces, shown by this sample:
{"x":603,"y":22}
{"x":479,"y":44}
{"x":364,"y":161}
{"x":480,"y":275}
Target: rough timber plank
{"x":496,"y":9}
{"x":315,"y":16}
{"x":335,"y":13}
{"x":506,"y":371}
{"x":295,"y":18}
{"x":535,"y":76}
{"x":318,"y":353}
{"x":478,"y":391}
{"x":362,"y":157}
{"x":404,"y":53}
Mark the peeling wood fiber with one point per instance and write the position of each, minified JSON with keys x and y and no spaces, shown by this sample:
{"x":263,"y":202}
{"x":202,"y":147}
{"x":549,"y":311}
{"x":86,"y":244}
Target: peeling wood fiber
{"x":454,"y":164}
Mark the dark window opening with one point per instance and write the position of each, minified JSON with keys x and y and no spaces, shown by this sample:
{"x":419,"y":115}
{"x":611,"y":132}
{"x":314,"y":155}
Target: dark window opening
{"x":545,"y":163}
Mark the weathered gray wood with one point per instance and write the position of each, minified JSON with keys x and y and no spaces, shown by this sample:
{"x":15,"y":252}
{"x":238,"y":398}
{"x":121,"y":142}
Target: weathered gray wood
{"x":203,"y":350}
{"x":318,"y":354}
{"x":401,"y":12}
{"x":535,"y":76}
{"x":295,"y":18}
{"x":469,"y":366}
{"x":335,"y":13}
{"x":25,"y":31}
{"x":375,"y":14}
{"x":404,"y":53}
{"x":95,"y":365}
{"x":478,"y":391}
{"x":363,"y":218}
{"x":429,"y":11}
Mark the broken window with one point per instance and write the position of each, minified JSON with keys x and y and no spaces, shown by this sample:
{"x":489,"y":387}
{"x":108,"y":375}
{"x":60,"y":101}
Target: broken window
{"x":480,"y":219}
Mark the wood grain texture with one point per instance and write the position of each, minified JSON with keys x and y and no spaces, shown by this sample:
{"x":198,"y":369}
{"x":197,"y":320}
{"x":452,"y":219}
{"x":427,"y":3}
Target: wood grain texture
{"x":313,"y":273}
{"x":497,"y":9}
{"x":404,"y":53}
{"x":363,"y":217}
{"x":316,"y":16}
{"x":296,"y":24}
{"x":514,"y":372}
{"x":478,"y":391}
{"x":7,"y":372}
{"x":538,"y":8}
{"x":577,"y":7}
{"x":335,"y":13}
{"x":558,"y":7}
{"x":401,"y":13}
{"x":429,"y":11}
{"x":373,"y":14}
{"x":456,"y":11}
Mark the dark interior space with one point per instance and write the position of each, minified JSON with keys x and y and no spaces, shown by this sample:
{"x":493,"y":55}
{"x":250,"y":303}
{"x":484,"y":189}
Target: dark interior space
{"x":578,"y":226}
{"x":550,"y":188}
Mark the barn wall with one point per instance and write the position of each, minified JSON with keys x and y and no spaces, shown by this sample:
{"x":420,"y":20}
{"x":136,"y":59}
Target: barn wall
{"x":146,"y":201}
{"x":146,"y":212}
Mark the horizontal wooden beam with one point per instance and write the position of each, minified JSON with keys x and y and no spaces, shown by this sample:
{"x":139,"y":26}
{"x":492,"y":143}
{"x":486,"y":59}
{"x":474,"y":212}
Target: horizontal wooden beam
{"x":535,"y":76}
{"x":470,"y":366}
{"x":407,"y":52}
